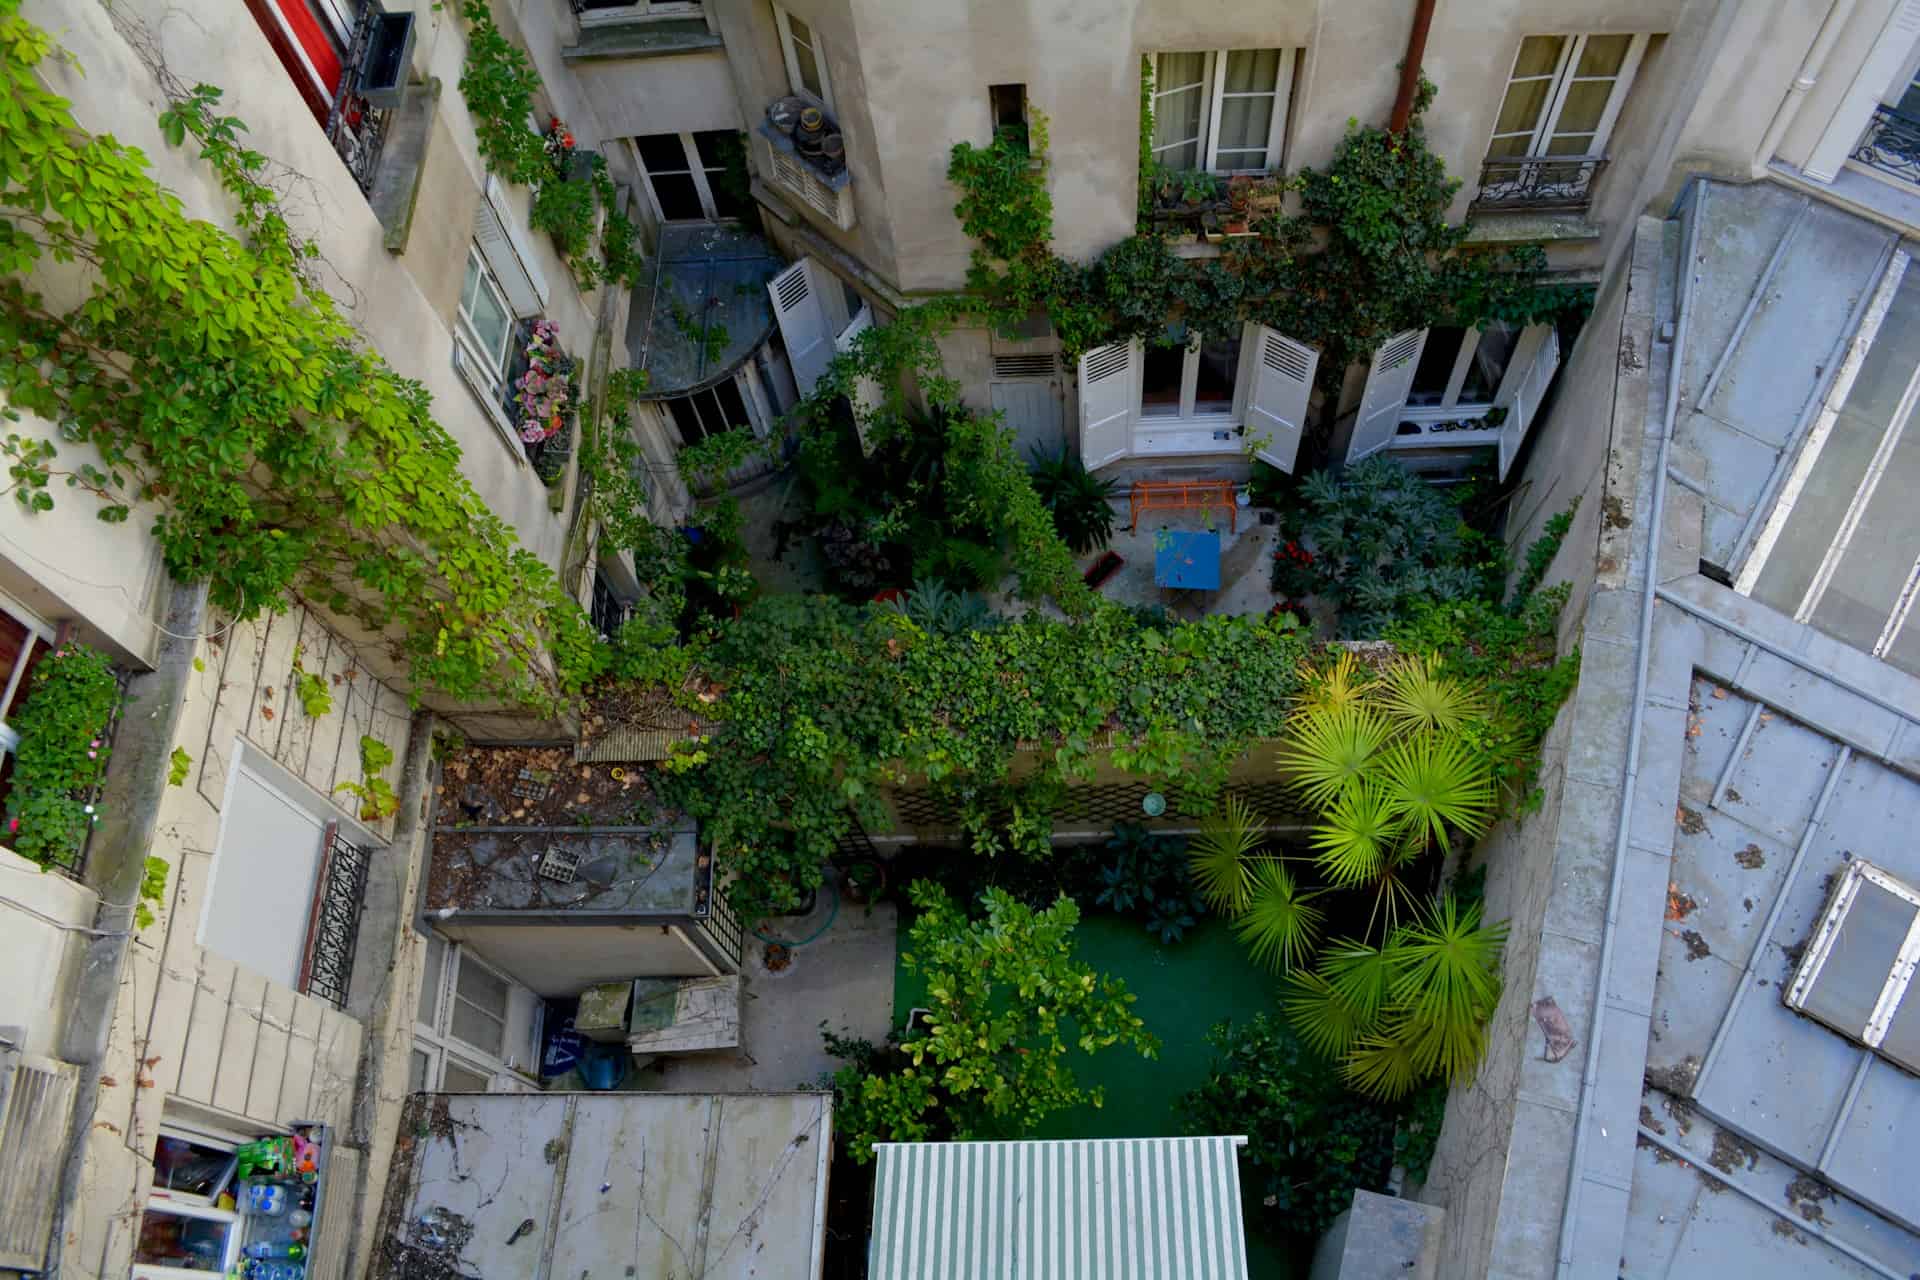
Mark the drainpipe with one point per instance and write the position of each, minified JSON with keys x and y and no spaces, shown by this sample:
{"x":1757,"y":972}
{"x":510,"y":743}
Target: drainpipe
{"x":130,"y":816}
{"x":1410,"y":69}
{"x":1816,"y":62}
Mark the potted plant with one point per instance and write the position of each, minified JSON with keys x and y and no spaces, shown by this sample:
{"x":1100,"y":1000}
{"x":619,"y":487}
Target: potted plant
{"x":865,"y":881}
{"x":1239,"y":199}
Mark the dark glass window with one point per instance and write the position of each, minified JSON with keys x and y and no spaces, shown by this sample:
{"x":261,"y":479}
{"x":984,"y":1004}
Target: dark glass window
{"x":1436,"y":365}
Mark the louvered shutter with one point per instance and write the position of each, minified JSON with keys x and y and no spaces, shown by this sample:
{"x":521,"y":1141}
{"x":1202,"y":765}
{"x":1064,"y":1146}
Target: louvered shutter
{"x":1381,"y":404}
{"x":1536,"y":357}
{"x":507,"y":257}
{"x":803,"y":324}
{"x":1277,"y":405}
{"x":866,"y":392}
{"x":1107,"y":398}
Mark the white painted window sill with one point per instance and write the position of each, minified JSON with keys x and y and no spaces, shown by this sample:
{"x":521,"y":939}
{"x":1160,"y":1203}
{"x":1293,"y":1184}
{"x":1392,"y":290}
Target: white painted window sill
{"x":1162,"y":437}
{"x":485,"y":394}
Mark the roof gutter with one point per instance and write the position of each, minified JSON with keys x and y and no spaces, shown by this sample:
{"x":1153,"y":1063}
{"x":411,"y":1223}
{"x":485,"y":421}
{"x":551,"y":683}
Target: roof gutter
{"x":1642,"y":662}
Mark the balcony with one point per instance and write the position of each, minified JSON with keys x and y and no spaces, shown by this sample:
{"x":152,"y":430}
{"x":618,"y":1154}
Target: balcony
{"x":1891,"y":146}
{"x":808,"y":166}
{"x":372,"y":83}
{"x":1527,"y":184}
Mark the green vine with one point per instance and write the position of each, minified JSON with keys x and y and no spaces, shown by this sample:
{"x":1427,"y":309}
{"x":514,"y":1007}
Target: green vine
{"x":375,"y":793}
{"x":62,"y":755}
{"x":207,"y":379}
{"x":500,"y":85}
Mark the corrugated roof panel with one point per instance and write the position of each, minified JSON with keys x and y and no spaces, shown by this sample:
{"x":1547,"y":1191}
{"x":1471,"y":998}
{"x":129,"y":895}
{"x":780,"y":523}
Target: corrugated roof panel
{"x":1127,"y":1209}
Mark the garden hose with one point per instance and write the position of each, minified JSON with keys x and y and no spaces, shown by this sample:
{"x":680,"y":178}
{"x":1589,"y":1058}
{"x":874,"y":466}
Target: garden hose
{"x":833,"y":913}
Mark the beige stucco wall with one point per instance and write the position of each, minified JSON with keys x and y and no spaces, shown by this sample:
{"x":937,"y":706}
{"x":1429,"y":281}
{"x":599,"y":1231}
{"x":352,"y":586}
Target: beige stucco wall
{"x":910,"y":81}
{"x":41,"y":916}
{"x":191,"y":1026}
{"x":682,"y":94}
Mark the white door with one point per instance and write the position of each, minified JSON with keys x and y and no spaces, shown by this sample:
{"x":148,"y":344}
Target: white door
{"x":1385,"y":398}
{"x":262,"y":883}
{"x":801,"y":314}
{"x":1109,"y":384}
{"x":1277,"y":403}
{"x":866,"y":395}
{"x":1530,"y":373}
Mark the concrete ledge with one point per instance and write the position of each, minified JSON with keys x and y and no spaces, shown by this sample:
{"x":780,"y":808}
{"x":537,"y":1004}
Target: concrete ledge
{"x":1381,"y":1238}
{"x":1494,"y":227}
{"x":396,"y":187}
{"x":641,"y":40}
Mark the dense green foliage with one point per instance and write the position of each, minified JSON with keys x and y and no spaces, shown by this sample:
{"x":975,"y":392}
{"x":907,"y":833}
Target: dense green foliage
{"x":819,"y":704}
{"x":1081,"y":502}
{"x":1143,"y":875}
{"x":1008,"y":1005}
{"x":62,"y":754}
{"x":210,"y":380}
{"x":1382,"y":539}
{"x":572,"y":191}
{"x":1370,"y":254}
{"x":1310,"y":1142}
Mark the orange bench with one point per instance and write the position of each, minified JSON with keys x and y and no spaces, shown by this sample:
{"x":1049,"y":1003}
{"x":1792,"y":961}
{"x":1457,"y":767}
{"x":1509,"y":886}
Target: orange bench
{"x":1182,"y":495}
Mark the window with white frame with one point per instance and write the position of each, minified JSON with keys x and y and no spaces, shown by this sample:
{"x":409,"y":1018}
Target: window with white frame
{"x":694,"y":177}
{"x":1224,"y":110}
{"x":474,"y":1027}
{"x":806,"y":57}
{"x":1565,"y":93}
{"x":1196,"y":394}
{"x":24,"y":640}
{"x":1457,"y":387}
{"x":486,"y":321}
{"x":601,"y":13}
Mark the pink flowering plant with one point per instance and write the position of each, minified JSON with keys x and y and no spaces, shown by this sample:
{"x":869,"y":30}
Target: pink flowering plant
{"x":545,"y":391}
{"x":62,"y":717}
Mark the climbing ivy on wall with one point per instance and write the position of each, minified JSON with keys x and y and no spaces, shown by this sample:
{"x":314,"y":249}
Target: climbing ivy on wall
{"x":208,"y":379}
{"x":1369,"y":254}
{"x":500,"y":83}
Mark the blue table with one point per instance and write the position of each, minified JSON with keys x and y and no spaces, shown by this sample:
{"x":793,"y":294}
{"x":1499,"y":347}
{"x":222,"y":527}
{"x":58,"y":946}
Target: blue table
{"x":1188,"y":559}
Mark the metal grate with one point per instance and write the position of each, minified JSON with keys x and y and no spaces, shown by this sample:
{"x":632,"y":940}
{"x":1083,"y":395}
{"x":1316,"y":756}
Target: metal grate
{"x":560,"y":865}
{"x":531,"y":785}
{"x":36,"y":1105}
{"x":356,"y":128}
{"x":1538,"y":182}
{"x":333,"y":926}
{"x":1891,"y":144}
{"x":1023,"y":366}
{"x":716,"y":914}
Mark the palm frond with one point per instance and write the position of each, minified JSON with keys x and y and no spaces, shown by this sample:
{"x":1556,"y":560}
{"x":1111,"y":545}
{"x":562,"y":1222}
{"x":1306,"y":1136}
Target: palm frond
{"x":1222,"y":865}
{"x":1447,"y":966}
{"x":1333,"y":687}
{"x":1436,"y":784}
{"x":1280,"y":922}
{"x":1418,"y":696}
{"x":1361,"y":975}
{"x":1355,"y":837}
{"x":1451,"y":1049}
{"x":1324,"y":1020}
{"x":1328,"y":751}
{"x":1382,"y":1066}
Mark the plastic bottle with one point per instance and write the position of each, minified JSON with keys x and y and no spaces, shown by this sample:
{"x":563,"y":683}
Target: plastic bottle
{"x":299,"y":1218}
{"x":266,"y":1199}
{"x":275,"y":1249}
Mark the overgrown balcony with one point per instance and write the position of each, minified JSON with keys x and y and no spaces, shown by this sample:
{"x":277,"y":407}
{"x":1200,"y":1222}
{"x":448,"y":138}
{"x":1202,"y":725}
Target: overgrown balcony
{"x":804,"y":152}
{"x":1209,"y":205}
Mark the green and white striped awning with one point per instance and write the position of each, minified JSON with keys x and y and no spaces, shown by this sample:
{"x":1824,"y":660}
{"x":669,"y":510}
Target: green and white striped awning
{"x":1115,"y":1209}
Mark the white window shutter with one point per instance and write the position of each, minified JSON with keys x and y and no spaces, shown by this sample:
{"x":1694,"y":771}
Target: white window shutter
{"x":1107,"y":399}
{"x":1535,"y":359}
{"x":1385,"y":398}
{"x":507,"y":257}
{"x":866,"y":392}
{"x":1277,"y":406}
{"x":803,"y":324}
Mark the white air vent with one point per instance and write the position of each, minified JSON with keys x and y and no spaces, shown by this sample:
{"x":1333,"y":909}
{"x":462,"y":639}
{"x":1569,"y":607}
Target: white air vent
{"x":560,"y":865}
{"x":1855,"y":974}
{"x":36,"y":1102}
{"x":1023,"y":366}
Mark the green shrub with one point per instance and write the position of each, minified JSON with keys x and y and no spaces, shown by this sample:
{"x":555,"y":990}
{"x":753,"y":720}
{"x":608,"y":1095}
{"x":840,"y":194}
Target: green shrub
{"x":1080,"y":501}
{"x":1141,"y":875}
{"x":1310,"y":1142}
{"x":1008,"y":1003}
{"x":62,"y":754}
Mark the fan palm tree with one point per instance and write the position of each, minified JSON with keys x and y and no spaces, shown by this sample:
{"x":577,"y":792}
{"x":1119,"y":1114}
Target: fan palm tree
{"x":1333,"y":688}
{"x":1328,"y":751}
{"x":1223,"y":868}
{"x":1447,"y":979}
{"x":1381,"y":1065}
{"x":1436,"y":783}
{"x":1280,"y":922}
{"x":1415,"y":696}
{"x":1326,"y":1022}
{"x":1356,"y":836}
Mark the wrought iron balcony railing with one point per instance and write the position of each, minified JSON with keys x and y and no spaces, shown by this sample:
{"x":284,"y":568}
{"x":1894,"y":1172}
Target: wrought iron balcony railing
{"x":356,"y":128}
{"x":1891,"y":144}
{"x":333,"y":928}
{"x":1538,"y":182}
